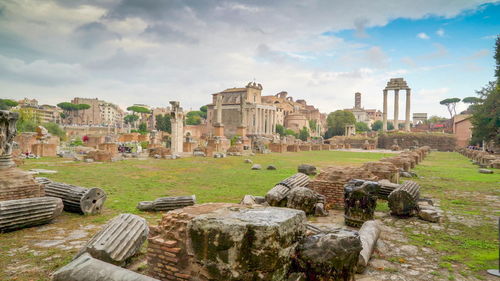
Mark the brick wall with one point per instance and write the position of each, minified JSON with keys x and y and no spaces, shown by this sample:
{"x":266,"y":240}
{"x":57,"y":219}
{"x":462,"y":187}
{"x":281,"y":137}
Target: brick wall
{"x":18,"y":184}
{"x":439,"y":141}
{"x":333,"y":192}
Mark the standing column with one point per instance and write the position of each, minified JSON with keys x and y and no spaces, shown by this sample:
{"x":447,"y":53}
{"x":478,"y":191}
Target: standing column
{"x":396,"y":110}
{"x":407,"y":120}
{"x":257,"y":121}
{"x":384,"y":116}
{"x":274,"y":121}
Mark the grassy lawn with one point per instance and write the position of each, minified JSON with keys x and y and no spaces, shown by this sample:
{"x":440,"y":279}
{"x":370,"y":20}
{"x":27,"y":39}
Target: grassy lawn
{"x":467,"y":237}
{"x":470,"y":200}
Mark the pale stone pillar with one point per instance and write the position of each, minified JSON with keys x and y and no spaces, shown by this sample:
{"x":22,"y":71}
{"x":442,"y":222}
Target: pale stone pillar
{"x":218,"y":103}
{"x":408,"y":101}
{"x":396,"y":110}
{"x":256,"y":127}
{"x":384,"y":116}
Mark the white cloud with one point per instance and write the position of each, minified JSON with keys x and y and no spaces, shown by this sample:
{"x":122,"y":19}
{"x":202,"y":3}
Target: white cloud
{"x":195,"y":48}
{"x":440,"y":32}
{"x":423,"y":35}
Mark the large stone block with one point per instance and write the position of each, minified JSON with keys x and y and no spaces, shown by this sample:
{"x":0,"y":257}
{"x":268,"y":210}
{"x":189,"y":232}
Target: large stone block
{"x":239,"y":243}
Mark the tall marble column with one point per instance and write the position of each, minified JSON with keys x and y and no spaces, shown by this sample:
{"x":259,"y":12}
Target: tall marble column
{"x":384,"y":116}
{"x":396,"y":110}
{"x":257,"y":121}
{"x":408,"y":101}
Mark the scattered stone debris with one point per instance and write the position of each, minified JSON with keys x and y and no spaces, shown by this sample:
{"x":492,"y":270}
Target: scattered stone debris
{"x":167,"y":203}
{"x":271,"y":167}
{"x":119,"y":239}
{"x":276,"y":196}
{"x":256,"y":167}
{"x":42,"y":171}
{"x":329,"y":255}
{"x":307,"y":169}
{"x":219,"y":155}
{"x":428,"y":212}
{"x":403,"y":200}
{"x":360,"y":199}
{"x":369,"y":234}
{"x":86,"y":267}
{"x":252,"y":200}
{"x":305,"y":199}
{"x":77,"y":199}
{"x":199,"y":154}
{"x":485,"y":171}
{"x":249,"y":161}
{"x":385,"y":188}
{"x":21,"y":213}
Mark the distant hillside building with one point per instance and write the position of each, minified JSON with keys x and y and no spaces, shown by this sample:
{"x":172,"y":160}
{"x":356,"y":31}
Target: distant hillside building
{"x":43,"y":113}
{"x":100,"y":113}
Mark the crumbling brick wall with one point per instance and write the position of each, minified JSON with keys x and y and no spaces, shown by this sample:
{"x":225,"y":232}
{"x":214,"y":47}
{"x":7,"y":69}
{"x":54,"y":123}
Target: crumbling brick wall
{"x":439,"y":141}
{"x":278,"y":147}
{"x":353,"y":142}
{"x":330,"y":183}
{"x":18,"y":184}
{"x":169,"y":256}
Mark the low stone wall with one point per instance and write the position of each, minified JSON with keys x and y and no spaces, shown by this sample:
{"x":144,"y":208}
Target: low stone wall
{"x":305,"y":147}
{"x":481,"y":157}
{"x":44,"y":149}
{"x":353,"y":142}
{"x":439,"y":141}
{"x":109,"y":147}
{"x":278,"y":147}
{"x":293,"y":148}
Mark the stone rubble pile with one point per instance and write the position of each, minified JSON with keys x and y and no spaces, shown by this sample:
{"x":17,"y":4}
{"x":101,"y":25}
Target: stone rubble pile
{"x":482,"y":158}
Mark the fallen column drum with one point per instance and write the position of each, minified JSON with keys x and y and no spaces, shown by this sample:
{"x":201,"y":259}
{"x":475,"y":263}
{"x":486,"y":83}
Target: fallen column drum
{"x":76,"y":199}
{"x":120,"y":239}
{"x":20,"y":213}
{"x":403,"y":201}
{"x":90,"y":269}
{"x":167,"y":203}
{"x":276,"y":196}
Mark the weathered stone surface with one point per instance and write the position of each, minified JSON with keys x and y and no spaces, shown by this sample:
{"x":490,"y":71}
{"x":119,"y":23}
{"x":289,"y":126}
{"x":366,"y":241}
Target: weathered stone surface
{"x":18,"y":184}
{"x":303,"y":198}
{"x":20,"y":213}
{"x":403,"y":201}
{"x":329,"y":255}
{"x":249,"y":161}
{"x":405,"y":174}
{"x":256,"y":167}
{"x":369,"y":234}
{"x":247,"y":243}
{"x":307,"y":169}
{"x":86,"y":268}
{"x":319,"y":210}
{"x":118,"y":240}
{"x":252,"y":200}
{"x":76,"y":199}
{"x":485,"y":171}
{"x":167,"y":203}
{"x":271,"y":167}
{"x":428,"y":212}
{"x":385,"y":188}
{"x":277,"y":196}
{"x":8,"y":131}
{"x":360,"y":199}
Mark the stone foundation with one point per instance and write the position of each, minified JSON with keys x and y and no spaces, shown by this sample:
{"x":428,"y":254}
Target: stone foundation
{"x":278,"y":147}
{"x":99,"y":156}
{"x":221,"y":241}
{"x":293,"y":148}
{"x":109,"y":147}
{"x":44,"y":149}
{"x":18,"y":184}
{"x":331,"y":181}
{"x":305,"y":147}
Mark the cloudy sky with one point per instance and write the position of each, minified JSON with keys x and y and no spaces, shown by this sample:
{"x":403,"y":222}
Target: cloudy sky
{"x":154,"y":51}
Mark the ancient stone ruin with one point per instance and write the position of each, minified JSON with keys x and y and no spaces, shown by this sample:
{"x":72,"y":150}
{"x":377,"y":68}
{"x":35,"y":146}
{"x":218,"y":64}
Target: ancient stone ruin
{"x":167,"y":203}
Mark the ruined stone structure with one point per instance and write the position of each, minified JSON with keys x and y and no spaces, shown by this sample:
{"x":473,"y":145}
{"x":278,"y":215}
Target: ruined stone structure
{"x":439,"y":141}
{"x":403,"y":201}
{"x":177,"y":124}
{"x":360,"y":201}
{"x":225,"y":242}
{"x":167,"y":203}
{"x":397,"y":84}
{"x":260,"y":117}
{"x":7,"y":133}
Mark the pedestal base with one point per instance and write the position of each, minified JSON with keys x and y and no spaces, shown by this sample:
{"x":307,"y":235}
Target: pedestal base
{"x":219,"y":130}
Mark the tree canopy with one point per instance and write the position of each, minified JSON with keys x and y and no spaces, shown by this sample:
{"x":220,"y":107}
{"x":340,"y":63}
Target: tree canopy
{"x":486,"y":116}
{"x":450,"y":104}
{"x":163,"y":123}
{"x":337,"y":121}
{"x":471,"y":100}
{"x":138,"y":109}
{"x":362,"y":127}
{"x":130,"y":119}
{"x":377,"y":125}
{"x":304,"y":134}
{"x":194,"y":117}
{"x":6,"y":104}
{"x":73,"y":107}
{"x":280,"y":129}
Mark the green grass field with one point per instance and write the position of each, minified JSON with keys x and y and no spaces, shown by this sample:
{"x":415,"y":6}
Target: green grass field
{"x":469,"y":240}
